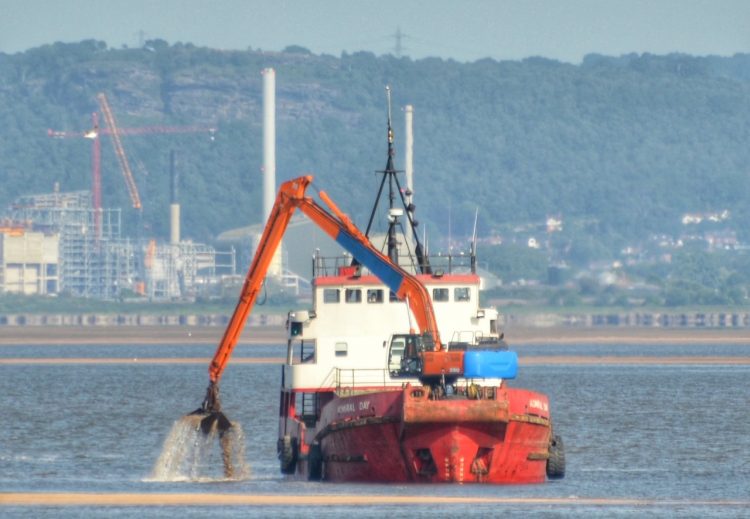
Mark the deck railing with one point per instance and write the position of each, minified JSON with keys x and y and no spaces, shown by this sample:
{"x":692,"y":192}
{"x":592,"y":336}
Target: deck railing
{"x":353,"y":378}
{"x":323,"y":266}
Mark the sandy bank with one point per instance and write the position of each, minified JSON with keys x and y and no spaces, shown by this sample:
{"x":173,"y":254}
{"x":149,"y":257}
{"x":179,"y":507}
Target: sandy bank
{"x":629,"y":335}
{"x":222,"y":499}
{"x":49,"y":335}
{"x":134,"y":335}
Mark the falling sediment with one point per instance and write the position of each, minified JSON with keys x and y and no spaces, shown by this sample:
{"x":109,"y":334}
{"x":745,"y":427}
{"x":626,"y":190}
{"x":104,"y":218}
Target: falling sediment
{"x":189,"y":454}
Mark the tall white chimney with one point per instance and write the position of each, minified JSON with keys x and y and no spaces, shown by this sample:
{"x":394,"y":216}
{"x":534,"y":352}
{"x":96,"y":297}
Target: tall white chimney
{"x":409,"y":161}
{"x":269,"y":157}
{"x":174,"y":207}
{"x":269,"y":140}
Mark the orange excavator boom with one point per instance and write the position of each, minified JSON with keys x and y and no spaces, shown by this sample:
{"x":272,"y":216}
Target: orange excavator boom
{"x":338,"y":226}
{"x":277,"y":223}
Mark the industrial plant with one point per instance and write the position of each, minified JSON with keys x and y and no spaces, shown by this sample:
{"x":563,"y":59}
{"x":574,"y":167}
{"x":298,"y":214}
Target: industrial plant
{"x":65,"y":242}
{"x":57,"y":243}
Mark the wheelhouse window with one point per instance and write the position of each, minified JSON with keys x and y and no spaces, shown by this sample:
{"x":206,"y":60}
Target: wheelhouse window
{"x":341,"y":349}
{"x":301,"y":352}
{"x":439,"y":294}
{"x":461,"y":294}
{"x":331,"y":295}
{"x":353,"y":295}
{"x":374,"y":295}
{"x":392,"y":297}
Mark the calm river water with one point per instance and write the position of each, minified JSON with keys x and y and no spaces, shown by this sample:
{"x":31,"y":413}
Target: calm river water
{"x":658,"y":440}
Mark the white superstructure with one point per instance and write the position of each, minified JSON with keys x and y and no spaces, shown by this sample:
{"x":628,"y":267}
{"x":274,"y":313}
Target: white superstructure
{"x":351,"y":335}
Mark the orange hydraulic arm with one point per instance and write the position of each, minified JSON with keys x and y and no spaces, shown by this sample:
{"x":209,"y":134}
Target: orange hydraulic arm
{"x":109,"y":118}
{"x":292,"y":196}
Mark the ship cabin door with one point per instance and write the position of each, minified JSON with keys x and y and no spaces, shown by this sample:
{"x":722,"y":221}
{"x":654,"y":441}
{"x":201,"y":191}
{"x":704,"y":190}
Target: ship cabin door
{"x":404,"y":355}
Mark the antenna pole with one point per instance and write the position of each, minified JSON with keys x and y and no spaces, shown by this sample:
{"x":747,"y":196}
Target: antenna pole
{"x":474,"y":243}
{"x":390,"y":171}
{"x":396,"y":193}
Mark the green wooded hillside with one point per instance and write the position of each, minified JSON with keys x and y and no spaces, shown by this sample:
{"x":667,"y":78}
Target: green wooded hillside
{"x":619,"y":147}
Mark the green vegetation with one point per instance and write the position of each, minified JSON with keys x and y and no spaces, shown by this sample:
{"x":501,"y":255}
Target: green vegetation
{"x":514,"y":262}
{"x":626,"y":144}
{"x":618,"y":147}
{"x":693,"y":279}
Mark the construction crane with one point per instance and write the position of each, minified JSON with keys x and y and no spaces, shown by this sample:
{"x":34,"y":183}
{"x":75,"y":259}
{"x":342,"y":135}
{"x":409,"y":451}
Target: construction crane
{"x":109,"y":118}
{"x":96,"y":132}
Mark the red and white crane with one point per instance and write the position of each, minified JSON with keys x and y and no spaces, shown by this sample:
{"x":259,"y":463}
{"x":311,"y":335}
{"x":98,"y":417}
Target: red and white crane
{"x":115,"y":132}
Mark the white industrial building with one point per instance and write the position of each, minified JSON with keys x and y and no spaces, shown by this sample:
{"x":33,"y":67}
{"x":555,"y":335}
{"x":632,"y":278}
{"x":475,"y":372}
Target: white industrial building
{"x":29,"y":262}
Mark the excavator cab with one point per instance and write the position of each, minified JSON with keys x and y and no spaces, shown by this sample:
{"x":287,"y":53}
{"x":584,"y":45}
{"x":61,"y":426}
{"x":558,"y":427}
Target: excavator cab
{"x":406,"y":354}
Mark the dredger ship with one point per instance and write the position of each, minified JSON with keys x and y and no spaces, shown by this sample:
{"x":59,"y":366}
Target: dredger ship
{"x":395,"y":374}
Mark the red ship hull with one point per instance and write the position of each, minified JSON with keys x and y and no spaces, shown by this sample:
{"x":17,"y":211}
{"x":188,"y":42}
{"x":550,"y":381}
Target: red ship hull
{"x":399,"y":436}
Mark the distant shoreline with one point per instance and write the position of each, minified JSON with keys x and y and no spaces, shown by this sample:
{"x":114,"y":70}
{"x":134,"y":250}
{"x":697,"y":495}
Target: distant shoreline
{"x":255,"y":335}
{"x":627,"y":335}
{"x":124,"y":335}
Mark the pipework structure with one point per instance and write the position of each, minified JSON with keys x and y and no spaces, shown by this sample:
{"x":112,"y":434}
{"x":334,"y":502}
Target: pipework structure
{"x":110,"y":266}
{"x":88,"y":265}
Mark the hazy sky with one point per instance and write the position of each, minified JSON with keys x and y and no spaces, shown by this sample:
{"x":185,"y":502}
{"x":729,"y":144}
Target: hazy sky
{"x":463,"y":30}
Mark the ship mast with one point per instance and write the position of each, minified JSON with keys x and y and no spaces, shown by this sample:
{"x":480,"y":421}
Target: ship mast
{"x":394,"y":213}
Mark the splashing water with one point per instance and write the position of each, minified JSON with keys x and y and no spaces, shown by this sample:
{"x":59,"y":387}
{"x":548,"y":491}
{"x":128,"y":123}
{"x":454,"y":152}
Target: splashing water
{"x":190,"y":455}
